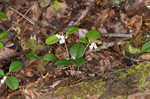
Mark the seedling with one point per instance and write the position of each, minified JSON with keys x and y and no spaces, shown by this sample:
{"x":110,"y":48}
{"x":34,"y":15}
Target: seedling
{"x":56,"y":5}
{"x":11,"y":81}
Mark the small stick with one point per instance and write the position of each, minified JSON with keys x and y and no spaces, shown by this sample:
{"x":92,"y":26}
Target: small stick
{"x":120,"y":35}
{"x":25,"y":17}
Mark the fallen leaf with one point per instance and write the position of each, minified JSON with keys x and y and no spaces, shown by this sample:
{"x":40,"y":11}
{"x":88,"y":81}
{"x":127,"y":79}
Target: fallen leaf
{"x":145,"y":56}
{"x":6,"y":53}
{"x":36,"y":11}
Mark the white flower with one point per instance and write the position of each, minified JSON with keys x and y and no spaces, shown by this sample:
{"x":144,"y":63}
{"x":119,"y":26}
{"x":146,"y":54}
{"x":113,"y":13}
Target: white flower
{"x":3,"y":80}
{"x":73,"y":57}
{"x":61,"y":37}
{"x":93,"y":46}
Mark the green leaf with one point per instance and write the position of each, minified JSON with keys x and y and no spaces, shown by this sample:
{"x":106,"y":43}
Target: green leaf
{"x":146,"y":47}
{"x":72,"y":30}
{"x":93,"y":35}
{"x":32,"y":55}
{"x":15,"y":65}
{"x":117,"y":1}
{"x":50,"y":57}
{"x":1,"y":45}
{"x":1,"y":73}
{"x":51,"y":40}
{"x":33,"y":45}
{"x":77,"y":50}
{"x":132,"y":50}
{"x":12,"y":82}
{"x":83,"y":40}
{"x":79,"y":62}
{"x":63,"y":62}
{"x":3,"y":35}
{"x":3,"y":15}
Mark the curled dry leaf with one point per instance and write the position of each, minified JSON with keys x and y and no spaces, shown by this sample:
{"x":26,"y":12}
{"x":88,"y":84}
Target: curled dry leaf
{"x":133,"y":7}
{"x":50,"y":12}
{"x":6,"y":52}
{"x":136,"y":22}
{"x":106,"y":15}
{"x":145,"y":56}
{"x":63,"y":10}
{"x":44,"y":3}
{"x":36,"y":11}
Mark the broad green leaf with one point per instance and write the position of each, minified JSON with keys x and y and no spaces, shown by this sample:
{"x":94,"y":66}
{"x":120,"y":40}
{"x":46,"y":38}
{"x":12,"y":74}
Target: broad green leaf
{"x":15,"y":65}
{"x":32,"y":55}
{"x":12,"y":82}
{"x":33,"y":45}
{"x":93,"y":35}
{"x":77,"y":50}
{"x":117,"y":1}
{"x":79,"y":62}
{"x":72,"y":30}
{"x":83,"y":40}
{"x":51,"y":40}
{"x":3,"y":15}
{"x":132,"y":50}
{"x":1,"y":73}
{"x":63,"y":62}
{"x":146,"y":47}
{"x":3,"y":35}
{"x":50,"y":57}
{"x":1,"y":45}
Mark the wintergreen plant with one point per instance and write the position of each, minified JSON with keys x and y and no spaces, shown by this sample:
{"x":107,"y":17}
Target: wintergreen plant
{"x":76,"y":51}
{"x":11,"y":81}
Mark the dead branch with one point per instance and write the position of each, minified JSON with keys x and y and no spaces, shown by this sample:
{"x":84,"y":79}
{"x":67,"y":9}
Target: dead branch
{"x":120,"y":35}
{"x":25,"y":17}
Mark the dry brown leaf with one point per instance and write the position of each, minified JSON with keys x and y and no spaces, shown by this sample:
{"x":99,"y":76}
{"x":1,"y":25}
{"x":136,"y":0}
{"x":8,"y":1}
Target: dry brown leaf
{"x":145,"y":56}
{"x":44,"y":3}
{"x":106,"y":15}
{"x":6,"y":52}
{"x":50,"y":13}
{"x":36,"y":11}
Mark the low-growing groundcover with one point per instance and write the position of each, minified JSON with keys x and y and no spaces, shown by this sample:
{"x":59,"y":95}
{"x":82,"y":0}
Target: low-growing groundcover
{"x":84,"y":49}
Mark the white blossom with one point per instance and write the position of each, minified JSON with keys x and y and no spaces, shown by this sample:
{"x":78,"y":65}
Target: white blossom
{"x":61,"y":37}
{"x":73,"y":57}
{"x":3,"y":80}
{"x":93,"y":46}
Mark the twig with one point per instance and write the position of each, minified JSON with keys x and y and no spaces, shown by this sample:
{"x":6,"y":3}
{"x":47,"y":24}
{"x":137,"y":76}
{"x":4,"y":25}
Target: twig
{"x":25,"y":17}
{"x":120,"y":35}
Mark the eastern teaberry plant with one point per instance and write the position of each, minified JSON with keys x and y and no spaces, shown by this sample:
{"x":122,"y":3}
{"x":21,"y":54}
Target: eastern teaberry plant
{"x":11,"y":81}
{"x":76,"y":51}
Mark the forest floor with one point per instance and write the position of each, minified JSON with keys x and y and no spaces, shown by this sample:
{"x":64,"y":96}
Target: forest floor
{"x":117,"y":69}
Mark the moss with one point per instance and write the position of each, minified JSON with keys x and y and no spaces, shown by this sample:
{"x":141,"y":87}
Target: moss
{"x":79,"y":91}
{"x":122,"y":84}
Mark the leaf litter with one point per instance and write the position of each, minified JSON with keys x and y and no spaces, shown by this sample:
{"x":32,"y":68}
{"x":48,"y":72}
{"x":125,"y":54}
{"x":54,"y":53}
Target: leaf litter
{"x":36,"y":20}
